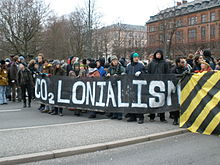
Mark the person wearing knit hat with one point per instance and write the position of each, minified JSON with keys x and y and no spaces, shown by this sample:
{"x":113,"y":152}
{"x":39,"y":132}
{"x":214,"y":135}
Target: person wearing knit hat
{"x":114,"y":58}
{"x":136,"y":68}
{"x":205,"y":67}
{"x":115,"y":69}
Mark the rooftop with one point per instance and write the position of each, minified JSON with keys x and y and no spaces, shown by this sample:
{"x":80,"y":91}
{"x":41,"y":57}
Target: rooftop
{"x":127,"y":27}
{"x":185,"y":8}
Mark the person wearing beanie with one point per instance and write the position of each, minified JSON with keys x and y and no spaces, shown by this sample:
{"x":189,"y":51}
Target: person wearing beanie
{"x":135,"y":67}
{"x":21,"y":59}
{"x":57,"y":71}
{"x":205,"y":67}
{"x":115,"y":69}
{"x":3,"y":82}
{"x":25,"y":83}
{"x":158,"y":66}
{"x":93,"y":71}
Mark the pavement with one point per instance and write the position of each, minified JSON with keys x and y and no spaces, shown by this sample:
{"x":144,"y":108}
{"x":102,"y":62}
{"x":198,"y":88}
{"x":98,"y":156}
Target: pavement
{"x":26,"y":135}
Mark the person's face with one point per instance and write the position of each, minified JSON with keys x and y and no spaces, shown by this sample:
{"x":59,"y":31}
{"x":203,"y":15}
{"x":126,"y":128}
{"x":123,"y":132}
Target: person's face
{"x":39,"y":58}
{"x":182,"y":63}
{"x":46,"y":63}
{"x":58,"y":66}
{"x":136,"y":59}
{"x":114,"y":62}
{"x":98,"y":64}
{"x":21,"y":66}
{"x":200,"y":59}
{"x":36,"y":66}
{"x":158,"y":56}
{"x":218,"y":61}
{"x":77,"y":68}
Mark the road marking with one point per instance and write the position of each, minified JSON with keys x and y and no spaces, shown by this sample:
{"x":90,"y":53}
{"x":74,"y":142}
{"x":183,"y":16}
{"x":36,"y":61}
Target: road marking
{"x":10,"y":110}
{"x":53,"y":125}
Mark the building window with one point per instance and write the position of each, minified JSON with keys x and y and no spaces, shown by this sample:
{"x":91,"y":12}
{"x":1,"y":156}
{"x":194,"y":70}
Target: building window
{"x":179,"y":36}
{"x":152,"y":39}
{"x":161,"y":26}
{"x":204,"y":18}
{"x":152,"y":28}
{"x":212,"y":31}
{"x":179,"y":23}
{"x":203,"y":33}
{"x":192,"y":34}
{"x":192,"y":20}
{"x":212,"y":16}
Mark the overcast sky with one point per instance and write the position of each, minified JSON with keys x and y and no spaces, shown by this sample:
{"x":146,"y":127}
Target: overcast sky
{"x":135,"y":12}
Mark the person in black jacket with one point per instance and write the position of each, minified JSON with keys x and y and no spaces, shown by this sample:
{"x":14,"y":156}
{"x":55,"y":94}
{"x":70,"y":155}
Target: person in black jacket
{"x":180,"y":68}
{"x":135,"y":67}
{"x":58,"y":71}
{"x":158,"y":66}
{"x":25,"y":83}
{"x":209,"y":59}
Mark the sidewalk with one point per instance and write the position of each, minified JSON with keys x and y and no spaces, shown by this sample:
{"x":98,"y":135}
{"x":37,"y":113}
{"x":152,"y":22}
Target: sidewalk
{"x":65,"y":138}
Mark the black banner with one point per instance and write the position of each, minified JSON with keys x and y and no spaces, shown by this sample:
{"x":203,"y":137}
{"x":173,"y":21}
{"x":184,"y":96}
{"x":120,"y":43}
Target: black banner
{"x":127,"y":94}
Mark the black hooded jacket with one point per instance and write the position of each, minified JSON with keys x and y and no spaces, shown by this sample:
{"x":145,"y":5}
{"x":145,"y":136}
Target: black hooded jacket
{"x":158,"y":66}
{"x":209,"y":59}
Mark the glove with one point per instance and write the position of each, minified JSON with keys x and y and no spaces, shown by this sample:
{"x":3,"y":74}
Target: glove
{"x":137,"y":74}
{"x":123,"y":74}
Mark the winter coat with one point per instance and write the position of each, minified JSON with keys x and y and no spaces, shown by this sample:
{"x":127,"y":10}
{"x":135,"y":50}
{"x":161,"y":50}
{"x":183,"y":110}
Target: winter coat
{"x":179,"y":70}
{"x":102,"y":71}
{"x":211,"y":61}
{"x":94,"y":73}
{"x":69,"y":68}
{"x":40,"y":68}
{"x":3,"y":77}
{"x":158,"y":66}
{"x":133,"y":67}
{"x":59,"y":72}
{"x":24,"y":77}
{"x":13,"y":71}
{"x":118,"y":70}
{"x":190,"y":62}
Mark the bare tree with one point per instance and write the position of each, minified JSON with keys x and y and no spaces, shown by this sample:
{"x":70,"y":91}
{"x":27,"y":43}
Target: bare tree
{"x":77,"y":32}
{"x":55,"y":38}
{"x":20,"y":22}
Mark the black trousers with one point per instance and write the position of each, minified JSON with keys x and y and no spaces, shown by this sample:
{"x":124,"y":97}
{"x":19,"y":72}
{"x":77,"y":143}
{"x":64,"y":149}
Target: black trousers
{"x":136,"y":115}
{"x":176,"y":115}
{"x":162,"y":116}
{"x":24,"y":89}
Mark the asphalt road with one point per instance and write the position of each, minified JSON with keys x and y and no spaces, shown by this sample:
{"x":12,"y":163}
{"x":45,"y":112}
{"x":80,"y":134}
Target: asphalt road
{"x":14,"y":116}
{"x":25,"y":131}
{"x":187,"y":149}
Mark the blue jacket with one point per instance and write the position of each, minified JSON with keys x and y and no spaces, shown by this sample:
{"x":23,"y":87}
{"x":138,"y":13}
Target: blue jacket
{"x":102,"y":71}
{"x":132,"y":68}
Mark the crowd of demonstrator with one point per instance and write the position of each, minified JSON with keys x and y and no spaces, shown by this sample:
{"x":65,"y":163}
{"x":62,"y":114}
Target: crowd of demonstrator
{"x":17,"y":76}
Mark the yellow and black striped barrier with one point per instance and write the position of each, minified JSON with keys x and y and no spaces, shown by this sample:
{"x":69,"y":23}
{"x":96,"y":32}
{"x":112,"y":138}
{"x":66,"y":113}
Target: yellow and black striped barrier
{"x":200,"y":103}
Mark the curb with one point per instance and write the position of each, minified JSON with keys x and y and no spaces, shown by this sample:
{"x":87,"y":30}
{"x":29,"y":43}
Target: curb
{"x":27,"y":158}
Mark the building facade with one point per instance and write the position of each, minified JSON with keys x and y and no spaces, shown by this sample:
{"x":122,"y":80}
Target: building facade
{"x":185,"y":28}
{"x":122,"y":39}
